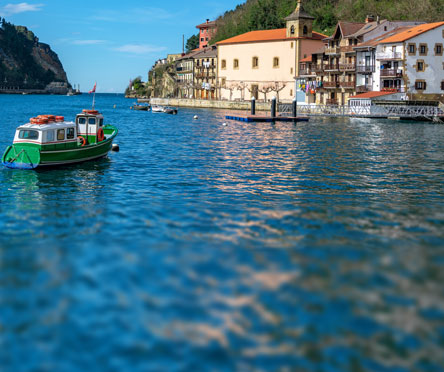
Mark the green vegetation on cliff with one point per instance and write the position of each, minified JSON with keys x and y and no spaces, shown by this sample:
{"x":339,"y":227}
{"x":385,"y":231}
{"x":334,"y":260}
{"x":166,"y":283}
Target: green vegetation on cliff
{"x":19,"y":49}
{"x":269,"y":14}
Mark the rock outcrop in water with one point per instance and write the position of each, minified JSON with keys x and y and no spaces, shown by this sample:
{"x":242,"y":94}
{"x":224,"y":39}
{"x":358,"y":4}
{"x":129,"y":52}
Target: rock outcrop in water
{"x":27,"y":65}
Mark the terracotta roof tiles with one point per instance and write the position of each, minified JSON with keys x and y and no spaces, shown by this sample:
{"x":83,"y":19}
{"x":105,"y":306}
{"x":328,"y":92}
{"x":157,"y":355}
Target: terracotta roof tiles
{"x":265,"y":35}
{"x":411,"y":32}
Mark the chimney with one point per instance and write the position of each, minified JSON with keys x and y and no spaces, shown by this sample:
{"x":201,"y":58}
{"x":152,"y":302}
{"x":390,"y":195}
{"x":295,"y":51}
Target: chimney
{"x":370,"y":18}
{"x":377,"y":20}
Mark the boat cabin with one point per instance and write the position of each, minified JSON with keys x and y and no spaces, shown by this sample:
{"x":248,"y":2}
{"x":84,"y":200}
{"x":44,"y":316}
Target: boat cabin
{"x":52,"y":135}
{"x":90,"y":126}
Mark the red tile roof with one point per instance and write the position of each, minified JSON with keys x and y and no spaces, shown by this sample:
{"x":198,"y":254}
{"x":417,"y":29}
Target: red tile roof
{"x":266,"y":35}
{"x":306,"y":59}
{"x":412,"y":32}
{"x":371,"y":94}
{"x":210,"y":24}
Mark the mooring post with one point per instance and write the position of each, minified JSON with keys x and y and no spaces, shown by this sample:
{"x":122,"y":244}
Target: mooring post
{"x":295,"y":108}
{"x":253,"y":106}
{"x":273,"y":107}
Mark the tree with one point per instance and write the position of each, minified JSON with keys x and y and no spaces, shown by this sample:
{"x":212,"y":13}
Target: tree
{"x":192,"y":43}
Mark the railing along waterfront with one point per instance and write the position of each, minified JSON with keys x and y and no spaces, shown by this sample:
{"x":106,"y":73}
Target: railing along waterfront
{"x":375,"y":111}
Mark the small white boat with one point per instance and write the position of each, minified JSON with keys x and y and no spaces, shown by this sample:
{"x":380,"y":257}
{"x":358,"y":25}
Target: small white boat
{"x":157,"y":108}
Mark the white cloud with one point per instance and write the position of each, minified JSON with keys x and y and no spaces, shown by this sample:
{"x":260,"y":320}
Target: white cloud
{"x":10,"y":9}
{"x":139,"y":49}
{"x":88,"y":42}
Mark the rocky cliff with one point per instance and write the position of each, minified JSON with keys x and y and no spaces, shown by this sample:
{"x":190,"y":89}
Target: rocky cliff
{"x":27,"y":64}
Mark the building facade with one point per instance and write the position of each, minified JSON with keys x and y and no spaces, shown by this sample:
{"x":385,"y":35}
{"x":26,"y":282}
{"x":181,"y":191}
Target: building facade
{"x":264,"y":63}
{"x":206,"y":31}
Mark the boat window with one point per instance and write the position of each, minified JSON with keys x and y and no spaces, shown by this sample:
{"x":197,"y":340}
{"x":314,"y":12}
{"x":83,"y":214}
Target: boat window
{"x":92,"y":121}
{"x":60,"y":134}
{"x":29,"y":134}
{"x":100,"y":122}
{"x":70,"y":133}
{"x":49,"y":136}
{"x":82,"y":120}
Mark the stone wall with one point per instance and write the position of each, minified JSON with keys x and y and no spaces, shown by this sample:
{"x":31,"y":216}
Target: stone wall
{"x":201,"y":103}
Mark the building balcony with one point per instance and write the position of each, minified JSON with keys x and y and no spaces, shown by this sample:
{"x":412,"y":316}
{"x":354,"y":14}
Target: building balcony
{"x":363,"y":88}
{"x":347,"y":67}
{"x":334,"y":67}
{"x":332,"y":101}
{"x":347,"y":49}
{"x":330,"y":84}
{"x":317,"y":68}
{"x":388,"y":55}
{"x":333,"y":50}
{"x":394,"y":90}
{"x":347,"y":84}
{"x":306,"y":72}
{"x":391,"y":73}
{"x":365,"y":69}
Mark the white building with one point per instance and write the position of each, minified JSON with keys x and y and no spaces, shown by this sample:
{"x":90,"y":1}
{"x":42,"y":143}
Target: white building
{"x":411,"y":61}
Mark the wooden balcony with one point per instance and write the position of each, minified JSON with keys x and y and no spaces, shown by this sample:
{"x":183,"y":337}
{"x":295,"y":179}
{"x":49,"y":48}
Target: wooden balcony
{"x":317,"y":68}
{"x":347,"y":67}
{"x":334,"y":67}
{"x":332,"y":101}
{"x":365,"y":69}
{"x":388,"y":55}
{"x":330,"y":84}
{"x":306,"y":72}
{"x":347,"y":49}
{"x":363,"y":88}
{"x":391,"y":73}
{"x":347,"y":84}
{"x":333,"y":50}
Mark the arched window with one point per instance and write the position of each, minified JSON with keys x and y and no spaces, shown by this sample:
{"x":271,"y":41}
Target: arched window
{"x":292,"y":30}
{"x":305,"y":30}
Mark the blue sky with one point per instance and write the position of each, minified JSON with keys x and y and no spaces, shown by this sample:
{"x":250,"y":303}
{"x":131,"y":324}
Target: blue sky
{"x":111,"y":41}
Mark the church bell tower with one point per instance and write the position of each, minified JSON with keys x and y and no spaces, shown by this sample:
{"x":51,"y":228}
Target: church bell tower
{"x":299,"y":23}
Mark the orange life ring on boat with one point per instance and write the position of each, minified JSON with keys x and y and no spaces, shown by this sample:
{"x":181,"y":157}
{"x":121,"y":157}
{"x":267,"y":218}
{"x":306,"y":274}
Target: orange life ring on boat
{"x":59,"y":119}
{"x":100,"y":135}
{"x":38,"y":120}
{"x":82,"y":139}
{"x":91,"y":112}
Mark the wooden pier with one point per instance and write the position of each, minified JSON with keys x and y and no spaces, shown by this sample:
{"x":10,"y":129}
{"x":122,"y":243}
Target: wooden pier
{"x":268,"y":119}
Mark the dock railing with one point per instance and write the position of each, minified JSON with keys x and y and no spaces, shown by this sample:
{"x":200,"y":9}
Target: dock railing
{"x":382,"y":111}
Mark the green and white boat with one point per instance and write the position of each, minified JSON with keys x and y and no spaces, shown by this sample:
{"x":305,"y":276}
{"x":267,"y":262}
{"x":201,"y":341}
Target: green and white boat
{"x":49,"y":140}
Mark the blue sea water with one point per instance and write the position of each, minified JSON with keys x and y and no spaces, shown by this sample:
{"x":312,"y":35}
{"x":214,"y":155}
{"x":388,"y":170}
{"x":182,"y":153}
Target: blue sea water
{"x":199,"y":246}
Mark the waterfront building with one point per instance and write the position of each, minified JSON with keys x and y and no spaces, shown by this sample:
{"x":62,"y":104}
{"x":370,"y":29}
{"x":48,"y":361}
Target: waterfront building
{"x":185,"y":75}
{"x":205,"y":69}
{"x":206,"y":32}
{"x":264,"y":63}
{"x":411,"y":62}
{"x":346,"y":64}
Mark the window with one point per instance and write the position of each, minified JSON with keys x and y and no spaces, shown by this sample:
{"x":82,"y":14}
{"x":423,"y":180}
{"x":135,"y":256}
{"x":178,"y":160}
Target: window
{"x":224,"y":82}
{"x":291,"y":92}
{"x":420,"y":85}
{"x":100,"y":122}
{"x":255,"y":62}
{"x":420,"y":66}
{"x":442,"y":85}
{"x":29,"y":134}
{"x":412,"y":49}
{"x":305,"y":30}
{"x":70,"y":133}
{"x":385,"y":28}
{"x":422,"y":49}
{"x":82,"y":120}
{"x":291,"y":70}
{"x":276,"y":62}
{"x":236,"y":63}
{"x":60,"y":134}
{"x":201,"y":39}
{"x":223,"y":64}
{"x":292,"y":32}
{"x":438,"y":49}
{"x":92,"y":121}
{"x":50,"y":136}
{"x":291,"y":45}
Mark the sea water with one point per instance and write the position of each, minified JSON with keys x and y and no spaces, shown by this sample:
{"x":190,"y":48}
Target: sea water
{"x":316,"y":246}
